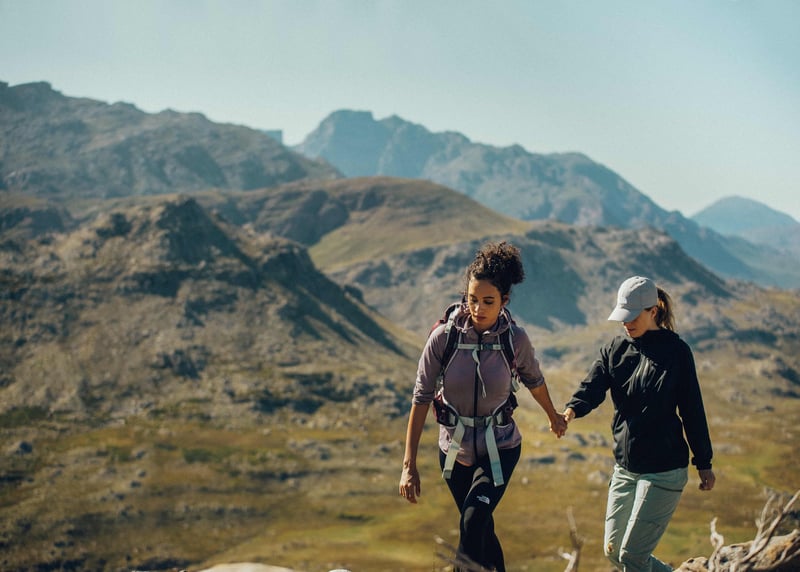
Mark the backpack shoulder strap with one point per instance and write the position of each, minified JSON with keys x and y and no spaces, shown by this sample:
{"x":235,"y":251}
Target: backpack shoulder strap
{"x":452,"y":340}
{"x":507,"y":341}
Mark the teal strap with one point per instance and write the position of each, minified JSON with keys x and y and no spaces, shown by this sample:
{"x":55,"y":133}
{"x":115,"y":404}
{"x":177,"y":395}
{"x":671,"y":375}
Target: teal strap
{"x":481,"y":347}
{"x":494,"y":456}
{"x":491,"y":446}
{"x":452,"y":451}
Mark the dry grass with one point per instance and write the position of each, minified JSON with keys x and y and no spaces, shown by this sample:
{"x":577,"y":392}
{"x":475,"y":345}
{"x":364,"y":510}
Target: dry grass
{"x":316,"y":496}
{"x":411,"y":216}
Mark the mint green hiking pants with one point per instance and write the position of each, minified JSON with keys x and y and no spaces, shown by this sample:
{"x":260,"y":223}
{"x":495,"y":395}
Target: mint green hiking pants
{"x":639,"y":508}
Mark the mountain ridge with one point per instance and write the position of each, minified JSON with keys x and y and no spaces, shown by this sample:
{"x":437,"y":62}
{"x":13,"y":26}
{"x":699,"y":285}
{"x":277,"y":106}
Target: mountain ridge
{"x":568,"y":187}
{"x":393,"y":239}
{"x":65,"y":148}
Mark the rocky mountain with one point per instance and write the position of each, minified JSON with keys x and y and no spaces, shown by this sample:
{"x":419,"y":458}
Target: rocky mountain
{"x":65,"y":148}
{"x":388,"y":246}
{"x":567,"y":187}
{"x":68,"y":149}
{"x":158,"y":278}
{"x":752,"y":221}
{"x":403,"y":244}
{"x":163,"y":301}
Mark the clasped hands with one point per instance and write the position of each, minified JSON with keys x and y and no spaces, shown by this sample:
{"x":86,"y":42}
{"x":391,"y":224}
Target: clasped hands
{"x":558,"y":424}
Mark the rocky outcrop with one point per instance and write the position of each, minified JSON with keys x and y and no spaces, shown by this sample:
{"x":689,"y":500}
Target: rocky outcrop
{"x":149,"y":305}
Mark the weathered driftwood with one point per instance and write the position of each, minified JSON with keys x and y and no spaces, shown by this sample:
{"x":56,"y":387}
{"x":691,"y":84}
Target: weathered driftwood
{"x":766,"y":552}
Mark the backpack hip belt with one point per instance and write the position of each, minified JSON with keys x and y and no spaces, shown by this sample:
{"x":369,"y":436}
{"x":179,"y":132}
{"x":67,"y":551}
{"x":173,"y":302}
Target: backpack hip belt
{"x":500,"y":416}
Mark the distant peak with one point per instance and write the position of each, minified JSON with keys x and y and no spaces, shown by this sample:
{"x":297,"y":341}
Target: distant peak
{"x":351,"y":114}
{"x":741,"y":216}
{"x":35,"y":85}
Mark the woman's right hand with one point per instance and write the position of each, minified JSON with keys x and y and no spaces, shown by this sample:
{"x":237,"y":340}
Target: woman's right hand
{"x":409,"y":484}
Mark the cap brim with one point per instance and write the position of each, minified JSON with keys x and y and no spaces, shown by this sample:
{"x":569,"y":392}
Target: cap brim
{"x":621,"y":314}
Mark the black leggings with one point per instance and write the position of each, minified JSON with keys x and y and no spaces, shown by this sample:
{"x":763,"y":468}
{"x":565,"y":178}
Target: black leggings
{"x":477,"y":497}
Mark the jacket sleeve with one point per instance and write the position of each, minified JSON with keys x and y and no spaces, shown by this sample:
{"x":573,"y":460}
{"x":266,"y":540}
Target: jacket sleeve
{"x":692,"y":412}
{"x":593,"y":389}
{"x":530,"y":374}
{"x":429,"y":366}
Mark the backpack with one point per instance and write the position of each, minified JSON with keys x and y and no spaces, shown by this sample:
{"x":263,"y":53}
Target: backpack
{"x":448,"y":416}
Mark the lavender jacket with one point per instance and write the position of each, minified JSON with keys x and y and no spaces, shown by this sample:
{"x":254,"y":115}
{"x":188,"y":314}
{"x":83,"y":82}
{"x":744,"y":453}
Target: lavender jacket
{"x":463,"y":389}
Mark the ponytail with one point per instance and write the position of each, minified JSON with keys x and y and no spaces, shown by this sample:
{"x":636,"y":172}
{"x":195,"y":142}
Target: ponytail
{"x":664,"y":317}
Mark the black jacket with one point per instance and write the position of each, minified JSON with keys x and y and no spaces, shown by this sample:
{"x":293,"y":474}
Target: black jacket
{"x":656,"y":398}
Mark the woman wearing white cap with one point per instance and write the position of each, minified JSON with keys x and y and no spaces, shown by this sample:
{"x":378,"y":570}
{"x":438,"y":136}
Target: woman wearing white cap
{"x":651,"y":375}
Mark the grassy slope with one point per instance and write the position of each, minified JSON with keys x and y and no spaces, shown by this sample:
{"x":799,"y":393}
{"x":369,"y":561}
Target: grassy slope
{"x":413,"y":214}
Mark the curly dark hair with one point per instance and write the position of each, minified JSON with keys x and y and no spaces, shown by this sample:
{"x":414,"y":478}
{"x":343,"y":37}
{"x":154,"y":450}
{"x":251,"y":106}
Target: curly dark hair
{"x":498,"y":262}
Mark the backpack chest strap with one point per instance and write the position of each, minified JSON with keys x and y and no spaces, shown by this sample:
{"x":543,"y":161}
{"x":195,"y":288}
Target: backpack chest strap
{"x":480,"y":347}
{"x":474,"y":349}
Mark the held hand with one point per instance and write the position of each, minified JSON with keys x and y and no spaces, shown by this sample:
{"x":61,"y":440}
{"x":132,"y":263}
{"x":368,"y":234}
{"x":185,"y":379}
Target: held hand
{"x":410,"y":487}
{"x":707,"y":479}
{"x":558,"y":425}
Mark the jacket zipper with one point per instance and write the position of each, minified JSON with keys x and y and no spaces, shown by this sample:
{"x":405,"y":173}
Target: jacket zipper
{"x":475,"y":400}
{"x":637,"y":384}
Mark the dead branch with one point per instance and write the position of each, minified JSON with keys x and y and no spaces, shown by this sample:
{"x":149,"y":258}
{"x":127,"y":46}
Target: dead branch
{"x":717,"y":541}
{"x":458,"y":560}
{"x":573,"y":557}
{"x":763,"y":536}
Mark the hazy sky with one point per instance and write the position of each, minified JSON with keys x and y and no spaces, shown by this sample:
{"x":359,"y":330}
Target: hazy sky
{"x":690,"y":101}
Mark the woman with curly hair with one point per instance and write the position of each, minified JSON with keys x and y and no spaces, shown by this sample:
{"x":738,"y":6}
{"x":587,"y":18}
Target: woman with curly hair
{"x":472,"y":393}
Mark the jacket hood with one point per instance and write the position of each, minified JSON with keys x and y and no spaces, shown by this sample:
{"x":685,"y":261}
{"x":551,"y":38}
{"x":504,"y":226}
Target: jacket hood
{"x":658,"y":345}
{"x":464,"y":324}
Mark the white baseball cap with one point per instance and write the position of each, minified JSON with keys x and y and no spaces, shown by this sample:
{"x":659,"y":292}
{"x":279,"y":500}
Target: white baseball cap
{"x":634,"y":295}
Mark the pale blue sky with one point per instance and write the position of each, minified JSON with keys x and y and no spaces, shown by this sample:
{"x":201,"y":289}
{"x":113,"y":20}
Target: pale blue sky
{"x":690,"y":101}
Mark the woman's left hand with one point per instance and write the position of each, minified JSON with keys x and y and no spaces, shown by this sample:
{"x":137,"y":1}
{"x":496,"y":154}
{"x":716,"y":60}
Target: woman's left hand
{"x":707,"y":479}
